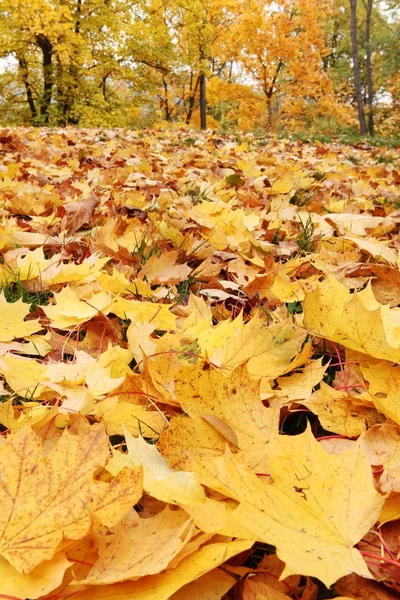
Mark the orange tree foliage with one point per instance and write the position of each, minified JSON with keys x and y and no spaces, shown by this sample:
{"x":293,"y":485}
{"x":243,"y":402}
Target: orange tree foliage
{"x":199,"y":367}
{"x":282,"y":46}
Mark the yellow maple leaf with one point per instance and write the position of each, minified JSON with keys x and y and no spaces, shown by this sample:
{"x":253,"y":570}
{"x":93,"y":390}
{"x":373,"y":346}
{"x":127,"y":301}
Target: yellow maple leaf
{"x":25,"y":264}
{"x":318,"y":506}
{"x":268,"y":350}
{"x":145,"y":312}
{"x":203,"y":392}
{"x":71,"y":310}
{"x":384,"y":387}
{"x":40,"y":581}
{"x":296,"y":386}
{"x":58,"y":272}
{"x":162,"y":482}
{"x":163,"y":269}
{"x":162,"y":586}
{"x":135,"y":418}
{"x":382,"y":443}
{"x":66,"y":497}
{"x":25,"y":376}
{"x":355,"y":320}
{"x":71,"y":371}
{"x":141,"y":547}
{"x":337,"y":411}
{"x":12,"y":320}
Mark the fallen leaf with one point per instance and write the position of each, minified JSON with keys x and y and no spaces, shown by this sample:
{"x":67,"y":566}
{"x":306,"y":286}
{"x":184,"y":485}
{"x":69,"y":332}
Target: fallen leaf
{"x":141,"y":547}
{"x":311,"y":512}
{"x":40,"y":581}
{"x":77,"y":214}
{"x":71,"y":310}
{"x":337,"y":411}
{"x":162,"y":482}
{"x":163,"y":586}
{"x":382,"y":444}
{"x":359,"y":588}
{"x":355,"y":320}
{"x":211,"y":586}
{"x":66,"y":496}
{"x":204,"y":392}
{"x":12,"y":320}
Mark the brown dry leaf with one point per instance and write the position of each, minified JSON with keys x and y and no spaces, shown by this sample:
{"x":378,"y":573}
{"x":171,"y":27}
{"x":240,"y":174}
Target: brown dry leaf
{"x":77,"y":214}
{"x":310,"y":591}
{"x":67,"y":499}
{"x":382,"y":547}
{"x":358,"y":588}
{"x":265,"y":581}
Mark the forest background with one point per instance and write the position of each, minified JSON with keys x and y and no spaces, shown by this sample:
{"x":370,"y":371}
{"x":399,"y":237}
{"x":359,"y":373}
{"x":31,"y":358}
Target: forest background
{"x":325,"y":66}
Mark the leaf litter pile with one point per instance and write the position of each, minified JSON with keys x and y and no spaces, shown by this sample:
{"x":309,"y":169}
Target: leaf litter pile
{"x":199,"y":367}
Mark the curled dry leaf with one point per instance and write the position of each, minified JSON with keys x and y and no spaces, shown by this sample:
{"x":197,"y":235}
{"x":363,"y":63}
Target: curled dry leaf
{"x":75,"y":215}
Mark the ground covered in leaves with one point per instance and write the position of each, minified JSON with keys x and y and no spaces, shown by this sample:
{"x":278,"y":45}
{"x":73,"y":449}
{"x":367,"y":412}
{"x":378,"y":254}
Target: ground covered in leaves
{"x":199,"y":367}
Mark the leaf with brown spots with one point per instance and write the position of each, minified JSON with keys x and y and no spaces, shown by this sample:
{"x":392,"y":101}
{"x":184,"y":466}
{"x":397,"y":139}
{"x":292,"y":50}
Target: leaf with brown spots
{"x":67,"y":503}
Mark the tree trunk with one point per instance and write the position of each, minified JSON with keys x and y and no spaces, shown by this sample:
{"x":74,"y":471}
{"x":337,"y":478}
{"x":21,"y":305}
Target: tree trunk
{"x":166,"y":103}
{"x":269,"y":110}
{"x":78,"y":17}
{"x":28,"y":88}
{"x":270,"y":92}
{"x":192,"y":97}
{"x":356,"y":66}
{"x":47,"y":51}
{"x":370,"y":88}
{"x":203,"y":102}
{"x":203,"y":98}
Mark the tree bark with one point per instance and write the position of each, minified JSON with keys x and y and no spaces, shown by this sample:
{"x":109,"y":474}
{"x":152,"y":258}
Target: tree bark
{"x":78,"y":17}
{"x":192,"y":97}
{"x":370,"y":87}
{"x":356,"y":66}
{"x":166,"y":102}
{"x":47,"y":51}
{"x":28,"y":88}
{"x":203,"y":102}
{"x":203,"y":98}
{"x":270,"y":92}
